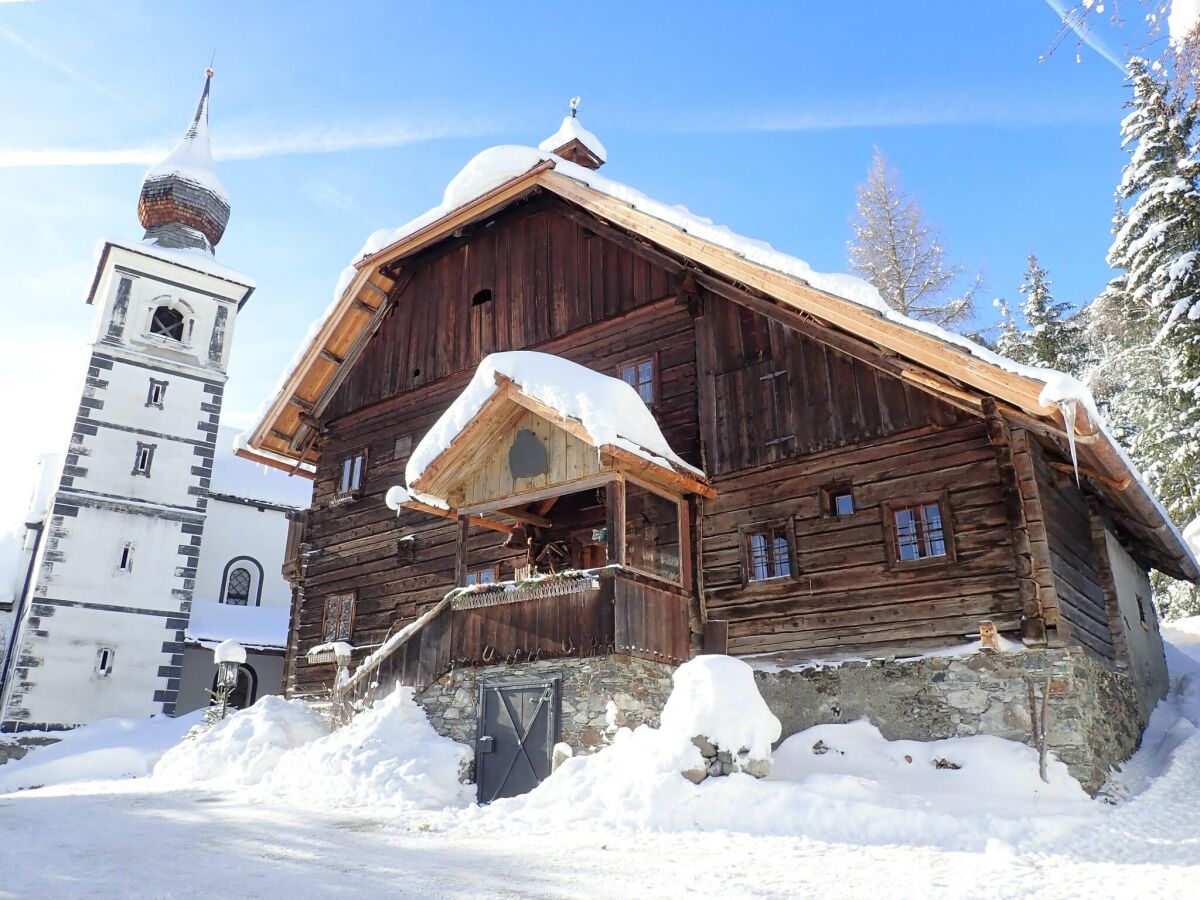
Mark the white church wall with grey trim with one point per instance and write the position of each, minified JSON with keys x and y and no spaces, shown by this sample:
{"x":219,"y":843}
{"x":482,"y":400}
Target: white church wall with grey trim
{"x":101,"y":625}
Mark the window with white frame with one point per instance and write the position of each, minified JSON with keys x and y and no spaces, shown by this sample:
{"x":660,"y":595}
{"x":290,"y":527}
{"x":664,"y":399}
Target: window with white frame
{"x":351,"y":475}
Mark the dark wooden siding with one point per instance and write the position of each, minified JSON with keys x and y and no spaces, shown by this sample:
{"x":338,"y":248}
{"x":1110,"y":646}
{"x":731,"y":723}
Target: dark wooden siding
{"x":845,"y":596}
{"x":356,"y":542}
{"x":1081,"y":598}
{"x":548,"y":276}
{"x":778,"y":394}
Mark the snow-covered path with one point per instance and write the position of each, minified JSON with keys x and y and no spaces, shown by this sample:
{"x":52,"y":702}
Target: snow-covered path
{"x":154,"y":837}
{"x":123,"y":840}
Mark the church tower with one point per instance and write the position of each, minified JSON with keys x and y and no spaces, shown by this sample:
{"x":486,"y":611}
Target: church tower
{"x":101,"y":627}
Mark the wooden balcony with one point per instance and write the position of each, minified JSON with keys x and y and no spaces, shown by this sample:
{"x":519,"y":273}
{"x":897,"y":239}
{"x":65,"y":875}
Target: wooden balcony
{"x":595,"y":612}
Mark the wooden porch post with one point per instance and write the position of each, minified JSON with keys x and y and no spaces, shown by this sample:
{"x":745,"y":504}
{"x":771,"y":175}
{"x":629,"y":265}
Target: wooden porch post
{"x":615,"y":524}
{"x":460,"y":559}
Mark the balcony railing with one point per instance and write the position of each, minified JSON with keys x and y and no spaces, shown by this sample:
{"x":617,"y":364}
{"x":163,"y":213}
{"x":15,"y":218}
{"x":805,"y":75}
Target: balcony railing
{"x":577,"y":614}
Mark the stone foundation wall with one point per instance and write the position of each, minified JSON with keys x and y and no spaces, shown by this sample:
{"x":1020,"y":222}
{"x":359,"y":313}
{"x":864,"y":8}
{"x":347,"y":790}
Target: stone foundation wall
{"x":1094,"y":720}
{"x":637,"y":688}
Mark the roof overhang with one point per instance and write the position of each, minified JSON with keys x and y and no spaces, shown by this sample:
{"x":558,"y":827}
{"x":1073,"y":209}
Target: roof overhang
{"x":289,"y":426}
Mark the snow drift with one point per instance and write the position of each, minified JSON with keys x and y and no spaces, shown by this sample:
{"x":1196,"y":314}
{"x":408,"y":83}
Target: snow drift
{"x":243,"y":747}
{"x":107,"y":749}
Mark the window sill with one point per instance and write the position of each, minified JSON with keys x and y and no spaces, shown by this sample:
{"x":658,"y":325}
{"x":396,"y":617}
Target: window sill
{"x":343,"y":499}
{"x":923,"y":563}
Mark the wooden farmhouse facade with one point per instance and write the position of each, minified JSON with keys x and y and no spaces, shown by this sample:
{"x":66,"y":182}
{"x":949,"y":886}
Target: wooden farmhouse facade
{"x":846,"y":482}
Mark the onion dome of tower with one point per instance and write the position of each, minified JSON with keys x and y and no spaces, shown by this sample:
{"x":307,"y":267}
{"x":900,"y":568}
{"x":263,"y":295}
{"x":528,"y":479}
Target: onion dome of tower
{"x":183,"y":203}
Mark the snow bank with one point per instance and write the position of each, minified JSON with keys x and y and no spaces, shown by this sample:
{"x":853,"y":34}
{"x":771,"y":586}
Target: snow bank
{"x":243,"y":747}
{"x":716,"y":696}
{"x":609,"y":409}
{"x":107,"y":749}
{"x":388,"y":755}
{"x":857,"y":787}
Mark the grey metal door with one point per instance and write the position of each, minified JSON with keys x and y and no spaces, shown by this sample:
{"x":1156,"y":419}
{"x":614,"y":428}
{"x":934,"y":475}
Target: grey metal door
{"x":518,"y":728}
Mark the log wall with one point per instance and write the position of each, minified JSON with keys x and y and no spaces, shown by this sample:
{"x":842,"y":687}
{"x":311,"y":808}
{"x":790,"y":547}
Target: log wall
{"x":844,"y":595}
{"x":353,"y":546}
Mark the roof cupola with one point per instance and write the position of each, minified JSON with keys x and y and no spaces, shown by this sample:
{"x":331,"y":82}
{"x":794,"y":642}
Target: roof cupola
{"x":183,"y":203}
{"x":575,"y":143}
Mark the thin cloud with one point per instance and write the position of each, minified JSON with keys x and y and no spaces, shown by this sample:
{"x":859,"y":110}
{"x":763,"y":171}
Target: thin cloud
{"x":315,"y":140}
{"x":1079,"y":24}
{"x":979,"y":110}
{"x":55,"y":63}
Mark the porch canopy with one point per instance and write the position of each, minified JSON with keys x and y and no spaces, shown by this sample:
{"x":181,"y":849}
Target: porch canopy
{"x":531,"y":430}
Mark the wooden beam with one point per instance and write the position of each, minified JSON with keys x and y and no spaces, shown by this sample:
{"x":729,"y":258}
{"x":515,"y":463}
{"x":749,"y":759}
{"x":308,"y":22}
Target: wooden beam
{"x":289,"y":466}
{"x":1117,"y":485}
{"x":685,"y":484}
{"x":615,"y":521}
{"x":524,"y":515}
{"x":331,"y":357}
{"x":362,"y":304}
{"x":558,"y":490}
{"x":303,"y":404}
{"x":418,"y":506}
{"x":460,"y":551}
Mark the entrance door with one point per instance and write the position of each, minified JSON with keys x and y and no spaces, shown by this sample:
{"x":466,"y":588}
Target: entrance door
{"x":519,"y":724}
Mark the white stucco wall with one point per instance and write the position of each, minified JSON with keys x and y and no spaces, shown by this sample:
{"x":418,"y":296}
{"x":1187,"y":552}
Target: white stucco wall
{"x":1147,"y":665}
{"x":234,"y":531}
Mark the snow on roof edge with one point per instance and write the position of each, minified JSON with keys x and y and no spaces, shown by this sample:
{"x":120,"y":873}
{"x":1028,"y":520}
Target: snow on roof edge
{"x":495,"y":166}
{"x":606,"y":407}
{"x":199,"y":260}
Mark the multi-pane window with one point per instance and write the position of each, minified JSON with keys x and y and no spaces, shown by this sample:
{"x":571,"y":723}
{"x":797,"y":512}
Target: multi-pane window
{"x":168,"y":323}
{"x":768,"y":552}
{"x":156,"y":393}
{"x":339,"y":618}
{"x":143,"y":458}
{"x":487,"y":575}
{"x":350,"y":475}
{"x":918,"y":531}
{"x":237,"y":588}
{"x":639,"y":375}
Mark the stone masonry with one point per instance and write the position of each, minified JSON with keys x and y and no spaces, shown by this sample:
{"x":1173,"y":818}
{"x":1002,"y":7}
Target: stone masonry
{"x":1093,"y":721}
{"x":636,"y":688}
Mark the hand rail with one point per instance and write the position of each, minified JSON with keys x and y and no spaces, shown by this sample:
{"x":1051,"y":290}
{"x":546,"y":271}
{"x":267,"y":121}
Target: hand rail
{"x":391,"y":645}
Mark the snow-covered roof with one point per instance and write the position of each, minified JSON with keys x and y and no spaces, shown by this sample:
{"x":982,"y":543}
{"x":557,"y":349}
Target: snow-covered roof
{"x":496,"y":167}
{"x":192,"y":158}
{"x":255,"y":627}
{"x":608,"y":409}
{"x":572,"y":130}
{"x":248,"y":480}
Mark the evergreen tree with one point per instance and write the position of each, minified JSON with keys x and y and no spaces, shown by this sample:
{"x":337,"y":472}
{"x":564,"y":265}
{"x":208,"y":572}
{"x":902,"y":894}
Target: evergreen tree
{"x":1147,"y":322}
{"x":901,"y":253}
{"x":1010,"y":343}
{"x":1055,"y":338}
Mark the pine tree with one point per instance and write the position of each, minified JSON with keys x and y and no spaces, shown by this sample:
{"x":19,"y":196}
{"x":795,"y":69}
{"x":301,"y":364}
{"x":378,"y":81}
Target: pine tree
{"x":1010,"y":342}
{"x":902,"y":254}
{"x":1055,"y":338}
{"x":1148,"y":319}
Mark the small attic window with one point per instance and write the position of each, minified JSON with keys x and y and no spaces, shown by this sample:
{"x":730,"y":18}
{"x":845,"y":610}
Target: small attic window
{"x":168,"y":323}
{"x":482,"y":297}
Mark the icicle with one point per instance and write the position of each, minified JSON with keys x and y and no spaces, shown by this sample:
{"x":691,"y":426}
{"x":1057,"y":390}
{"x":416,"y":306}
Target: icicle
{"x":1068,"y":407}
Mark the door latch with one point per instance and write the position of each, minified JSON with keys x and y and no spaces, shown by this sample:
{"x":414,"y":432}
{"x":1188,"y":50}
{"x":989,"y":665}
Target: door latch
{"x":485,"y":744}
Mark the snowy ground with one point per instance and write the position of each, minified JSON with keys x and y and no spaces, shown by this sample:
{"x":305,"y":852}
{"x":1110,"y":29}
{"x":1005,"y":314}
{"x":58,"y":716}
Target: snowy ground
{"x":850,"y":829}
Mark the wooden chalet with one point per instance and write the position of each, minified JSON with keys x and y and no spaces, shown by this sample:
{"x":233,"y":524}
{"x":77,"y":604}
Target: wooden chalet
{"x":853,"y":483}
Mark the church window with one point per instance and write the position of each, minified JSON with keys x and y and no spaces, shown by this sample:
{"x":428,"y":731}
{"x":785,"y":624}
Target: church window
{"x":350,"y":475}
{"x":168,"y":323}
{"x":125,"y":561}
{"x":157,"y":393}
{"x":339,"y":618}
{"x":237,"y":589}
{"x":143,"y":459}
{"x":104,"y":661}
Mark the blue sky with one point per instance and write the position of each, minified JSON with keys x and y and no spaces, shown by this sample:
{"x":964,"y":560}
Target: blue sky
{"x":331,"y":120}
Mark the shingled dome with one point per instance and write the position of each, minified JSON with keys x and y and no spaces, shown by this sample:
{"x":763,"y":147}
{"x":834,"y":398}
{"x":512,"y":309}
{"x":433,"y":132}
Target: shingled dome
{"x":183,"y":203}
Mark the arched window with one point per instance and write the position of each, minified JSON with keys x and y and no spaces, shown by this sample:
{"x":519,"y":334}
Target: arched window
{"x":237,"y":588}
{"x":245,"y":692}
{"x":168,"y":323}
